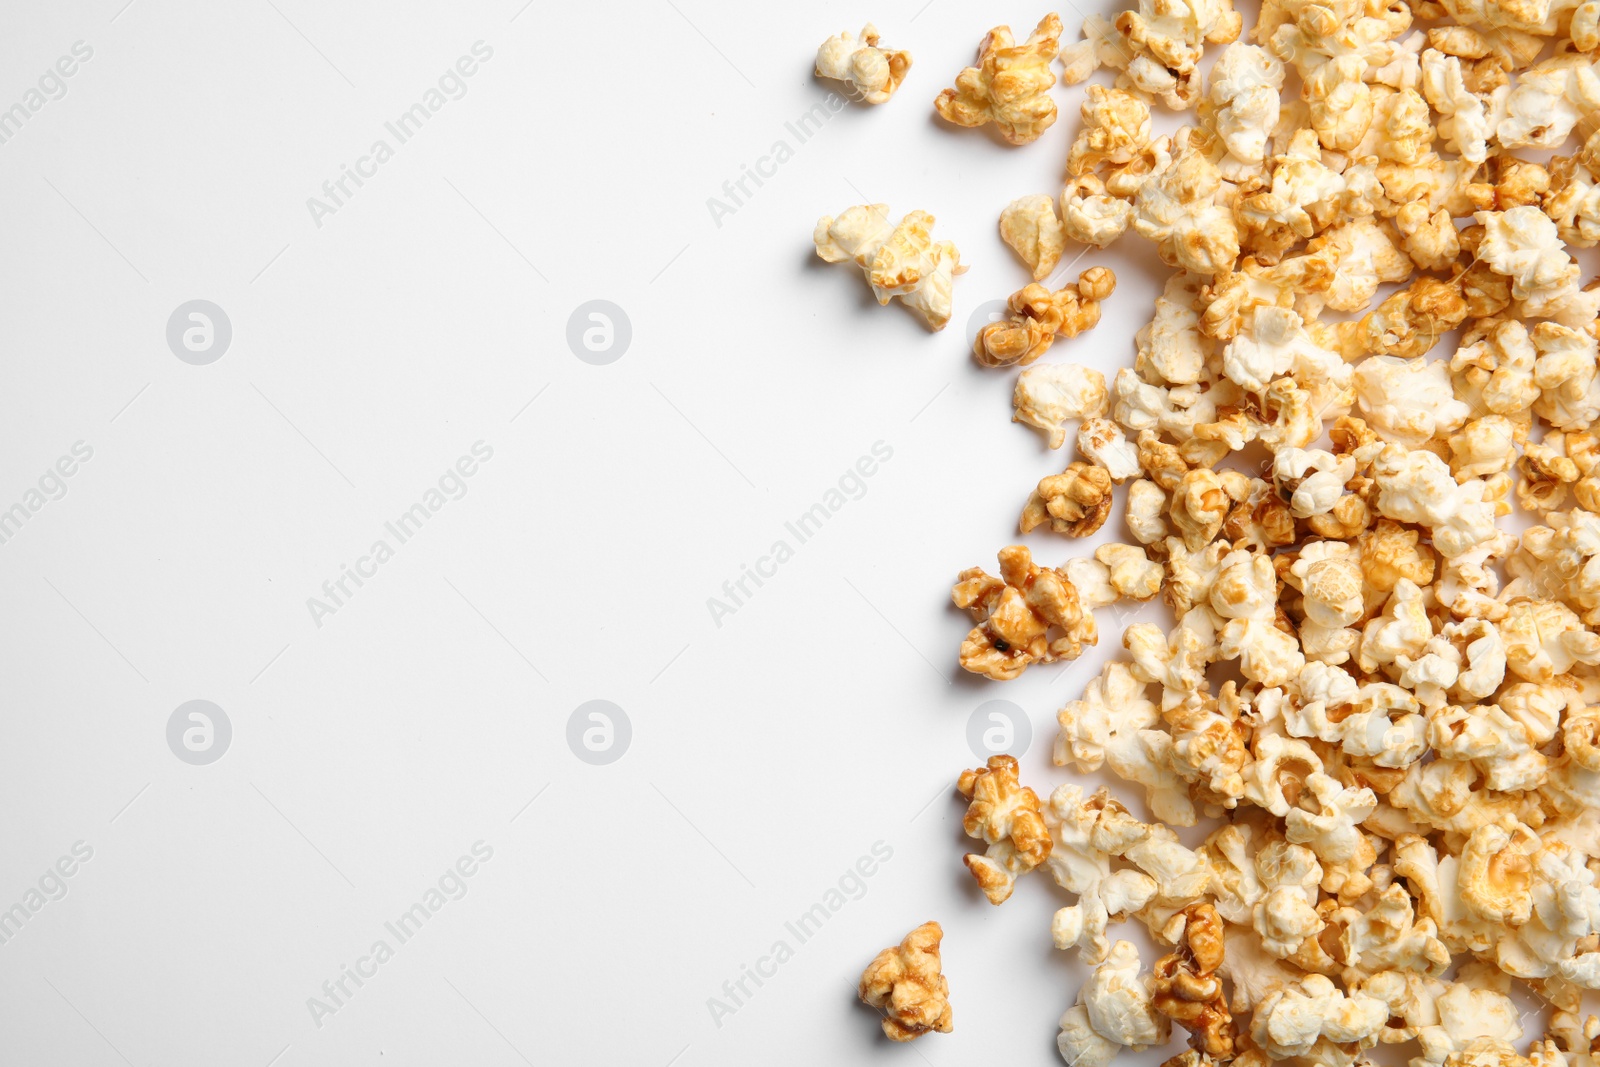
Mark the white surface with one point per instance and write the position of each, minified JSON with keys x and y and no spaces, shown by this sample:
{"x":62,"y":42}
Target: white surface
{"x":768,"y":754}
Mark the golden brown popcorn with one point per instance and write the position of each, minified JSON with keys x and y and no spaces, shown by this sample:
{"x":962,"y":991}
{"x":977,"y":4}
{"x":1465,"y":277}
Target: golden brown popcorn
{"x":906,"y":983}
{"x":900,"y":260}
{"x":1199,"y":505}
{"x":1029,"y":225}
{"x":871,"y":73}
{"x":1187,"y":989}
{"x":1039,"y":316}
{"x":1075,"y":502}
{"x":1006,"y":816}
{"x":1408,"y":323}
{"x":1016,"y":613}
{"x":1049,"y":394}
{"x":1010,"y":86}
{"x":1115,"y":130}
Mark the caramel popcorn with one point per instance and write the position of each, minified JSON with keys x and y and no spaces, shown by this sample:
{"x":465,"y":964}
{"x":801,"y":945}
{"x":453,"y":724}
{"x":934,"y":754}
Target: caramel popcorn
{"x":1356,"y":442}
{"x":1016,"y":614}
{"x":1006,"y":816}
{"x":1039,"y":316}
{"x":906,"y":983}
{"x":1010,"y":86}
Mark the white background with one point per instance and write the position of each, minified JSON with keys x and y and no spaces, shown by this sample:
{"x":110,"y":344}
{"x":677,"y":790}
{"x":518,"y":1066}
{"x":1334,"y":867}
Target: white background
{"x":768,"y":753}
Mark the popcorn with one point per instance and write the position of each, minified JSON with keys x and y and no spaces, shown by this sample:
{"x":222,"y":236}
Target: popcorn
{"x":1006,"y":816}
{"x":906,"y":984}
{"x":899,"y":261}
{"x":1047,"y":395}
{"x":1039,"y":316}
{"x":1016,"y":614}
{"x":1010,"y":86}
{"x":1075,"y":502}
{"x":1185,"y":988}
{"x":1391,"y":699}
{"x":1029,"y":225}
{"x":1158,"y":47}
{"x":870,"y":72}
{"x":1118,"y":1004}
{"x":1102,"y":441}
{"x":1178,"y":208}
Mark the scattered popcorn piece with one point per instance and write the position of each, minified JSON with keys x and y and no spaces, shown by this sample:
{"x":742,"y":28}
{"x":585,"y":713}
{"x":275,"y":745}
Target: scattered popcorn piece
{"x":1075,"y":502}
{"x":1039,"y":316}
{"x":870,"y":72}
{"x":907,"y":984}
{"x":1010,"y":86}
{"x":1049,"y":394}
{"x":1006,"y":816}
{"x":1029,"y":225}
{"x":899,"y":261}
{"x":1016,"y":613}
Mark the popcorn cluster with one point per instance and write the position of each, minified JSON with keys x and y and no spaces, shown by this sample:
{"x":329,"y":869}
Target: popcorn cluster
{"x":1384,"y":699}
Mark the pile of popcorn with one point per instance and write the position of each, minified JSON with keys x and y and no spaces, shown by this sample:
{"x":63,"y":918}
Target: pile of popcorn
{"x":1385,"y":699}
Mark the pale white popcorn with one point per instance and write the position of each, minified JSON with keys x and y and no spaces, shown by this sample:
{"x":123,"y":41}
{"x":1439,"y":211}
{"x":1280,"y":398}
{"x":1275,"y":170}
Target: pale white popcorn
{"x":1314,"y":478}
{"x":1365,"y":256}
{"x":1545,"y":638}
{"x":1178,"y":207}
{"x":1177,"y":661}
{"x":1468,"y":1013}
{"x":1146,"y":506}
{"x":1159,"y":45}
{"x":1565,"y":373}
{"x":1522,"y":244}
{"x":1275,"y":343}
{"x":1114,"y":1011}
{"x":1408,"y":401}
{"x":1171,"y":348}
{"x":1048,"y":394}
{"x":1087,"y":834}
{"x":899,"y":260}
{"x":872,"y":73}
{"x":1102,"y":441}
{"x":1243,"y":97}
{"x":1090,"y":216}
{"x":1547,"y":101}
{"x":1030,"y":226}
{"x":1290,"y":1022}
{"x":1114,"y":725}
{"x":1177,"y":410}
{"x":1464,"y":121}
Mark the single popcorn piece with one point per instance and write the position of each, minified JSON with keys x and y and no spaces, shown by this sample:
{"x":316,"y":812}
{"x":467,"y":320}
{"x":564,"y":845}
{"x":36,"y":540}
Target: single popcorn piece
{"x":871,"y":73}
{"x":1010,"y":86}
{"x":1006,"y":816}
{"x":1242,"y":102}
{"x":1115,"y":1010}
{"x":907,"y":984}
{"x":1103,"y":442}
{"x":1049,"y":394}
{"x":1187,"y":989}
{"x":1017,"y":612}
{"x":1038,"y":316}
{"x":1115,"y":131}
{"x":1179,"y":209}
{"x":1074,"y":503}
{"x":1030,"y":226}
{"x":1089,"y":215}
{"x":899,"y":261}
